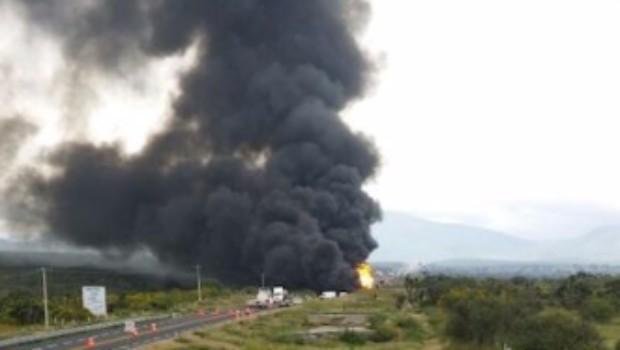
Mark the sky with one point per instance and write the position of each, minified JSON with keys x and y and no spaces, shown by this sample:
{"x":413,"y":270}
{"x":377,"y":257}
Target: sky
{"x":492,"y":113}
{"x":502,"y":114}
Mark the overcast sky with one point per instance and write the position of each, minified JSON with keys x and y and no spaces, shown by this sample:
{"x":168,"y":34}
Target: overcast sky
{"x":496,"y":113}
{"x":499,"y":113}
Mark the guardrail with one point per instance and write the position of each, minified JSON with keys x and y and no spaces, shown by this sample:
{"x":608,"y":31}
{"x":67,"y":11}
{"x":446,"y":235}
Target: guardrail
{"x":70,"y":331}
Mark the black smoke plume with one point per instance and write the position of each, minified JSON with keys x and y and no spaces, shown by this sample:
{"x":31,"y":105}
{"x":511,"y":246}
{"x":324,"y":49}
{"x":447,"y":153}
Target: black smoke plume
{"x":255,"y":172}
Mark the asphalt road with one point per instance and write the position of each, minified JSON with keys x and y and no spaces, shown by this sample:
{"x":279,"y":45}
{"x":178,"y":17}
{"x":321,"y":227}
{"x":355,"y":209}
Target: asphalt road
{"x":116,"y":338}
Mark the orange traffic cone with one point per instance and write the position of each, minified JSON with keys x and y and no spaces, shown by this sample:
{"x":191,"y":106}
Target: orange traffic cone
{"x":153,"y":327}
{"x":90,"y":342}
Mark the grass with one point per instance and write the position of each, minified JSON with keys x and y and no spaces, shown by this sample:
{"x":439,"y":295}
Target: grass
{"x":8,"y":329}
{"x":390,"y":328}
{"x":610,"y":332}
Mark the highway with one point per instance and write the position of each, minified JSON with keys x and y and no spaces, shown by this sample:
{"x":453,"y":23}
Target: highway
{"x":117,"y":338}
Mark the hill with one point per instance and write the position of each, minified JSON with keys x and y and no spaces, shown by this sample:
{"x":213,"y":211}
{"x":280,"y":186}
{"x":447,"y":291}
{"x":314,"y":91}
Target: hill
{"x":406,"y":238}
{"x":403,"y":237}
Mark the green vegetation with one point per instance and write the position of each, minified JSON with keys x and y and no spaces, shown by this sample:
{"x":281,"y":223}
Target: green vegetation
{"x":21,"y":307}
{"x":574,"y":313}
{"x":554,"y":330}
{"x":438,"y":312}
{"x":424,"y":312}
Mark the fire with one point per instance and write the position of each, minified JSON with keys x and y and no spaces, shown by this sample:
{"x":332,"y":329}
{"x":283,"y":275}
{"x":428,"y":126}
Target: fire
{"x":367,"y":280}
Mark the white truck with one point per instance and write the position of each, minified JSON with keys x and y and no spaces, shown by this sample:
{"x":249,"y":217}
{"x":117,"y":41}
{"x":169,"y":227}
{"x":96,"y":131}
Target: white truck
{"x":268,"y":297}
{"x":329,"y":294}
{"x":279,"y":294}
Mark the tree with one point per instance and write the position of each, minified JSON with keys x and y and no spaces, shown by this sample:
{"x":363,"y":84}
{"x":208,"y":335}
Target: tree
{"x":597,"y":309}
{"x":473,"y":316}
{"x":575,"y":290}
{"x":22,"y":308}
{"x":69,"y":309}
{"x":554,"y":330}
{"x":410,"y":289}
{"x":482,"y":316}
{"x":612,"y":290}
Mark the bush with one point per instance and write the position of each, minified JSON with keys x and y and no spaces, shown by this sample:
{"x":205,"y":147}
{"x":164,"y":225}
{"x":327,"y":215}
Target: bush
{"x":384,"y":330}
{"x":407,"y":322}
{"x":483,"y":315}
{"x":21,"y":308}
{"x":554,"y":330}
{"x":473,"y":316}
{"x":352,"y":338}
{"x":182,"y":340}
{"x":399,"y":300}
{"x":617,"y":347}
{"x":574,"y":291}
{"x":597,"y":309}
{"x":377,"y":319}
{"x":384,"y":333}
{"x":409,"y":326}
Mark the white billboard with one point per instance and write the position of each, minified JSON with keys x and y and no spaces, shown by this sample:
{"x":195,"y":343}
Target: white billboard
{"x":94,"y":300}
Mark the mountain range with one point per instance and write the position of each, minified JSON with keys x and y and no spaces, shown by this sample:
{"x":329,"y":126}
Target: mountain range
{"x":407,"y":238}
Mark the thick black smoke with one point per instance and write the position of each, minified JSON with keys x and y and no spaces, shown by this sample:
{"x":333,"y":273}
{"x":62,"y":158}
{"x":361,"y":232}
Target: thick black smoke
{"x":255,"y":172}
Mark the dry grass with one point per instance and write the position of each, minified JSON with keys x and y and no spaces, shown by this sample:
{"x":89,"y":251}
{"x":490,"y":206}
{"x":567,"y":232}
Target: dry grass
{"x":610,"y":332}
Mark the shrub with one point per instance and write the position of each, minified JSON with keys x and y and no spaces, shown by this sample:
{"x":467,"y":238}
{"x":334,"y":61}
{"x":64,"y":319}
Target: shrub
{"x":554,"y":330}
{"x":352,"y":338}
{"x":21,"y":308}
{"x":182,"y":340}
{"x":407,"y":322}
{"x":597,"y":309}
{"x":200,"y":334}
{"x":377,"y":319}
{"x":399,"y":300}
{"x":384,"y":333}
{"x":473,"y":316}
{"x":409,"y":326}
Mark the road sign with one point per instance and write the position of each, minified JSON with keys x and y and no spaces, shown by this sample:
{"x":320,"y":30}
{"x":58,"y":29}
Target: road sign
{"x":94,"y":300}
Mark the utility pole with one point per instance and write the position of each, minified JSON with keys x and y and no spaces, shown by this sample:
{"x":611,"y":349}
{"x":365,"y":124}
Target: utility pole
{"x":45,"y":309}
{"x":198,"y":283}
{"x":262,"y":279}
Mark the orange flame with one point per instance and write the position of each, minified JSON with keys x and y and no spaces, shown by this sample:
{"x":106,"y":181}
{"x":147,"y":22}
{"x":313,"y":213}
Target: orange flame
{"x":365,"y":274}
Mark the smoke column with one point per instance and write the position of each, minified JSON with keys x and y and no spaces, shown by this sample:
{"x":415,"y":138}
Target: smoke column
{"x":255,"y":171}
